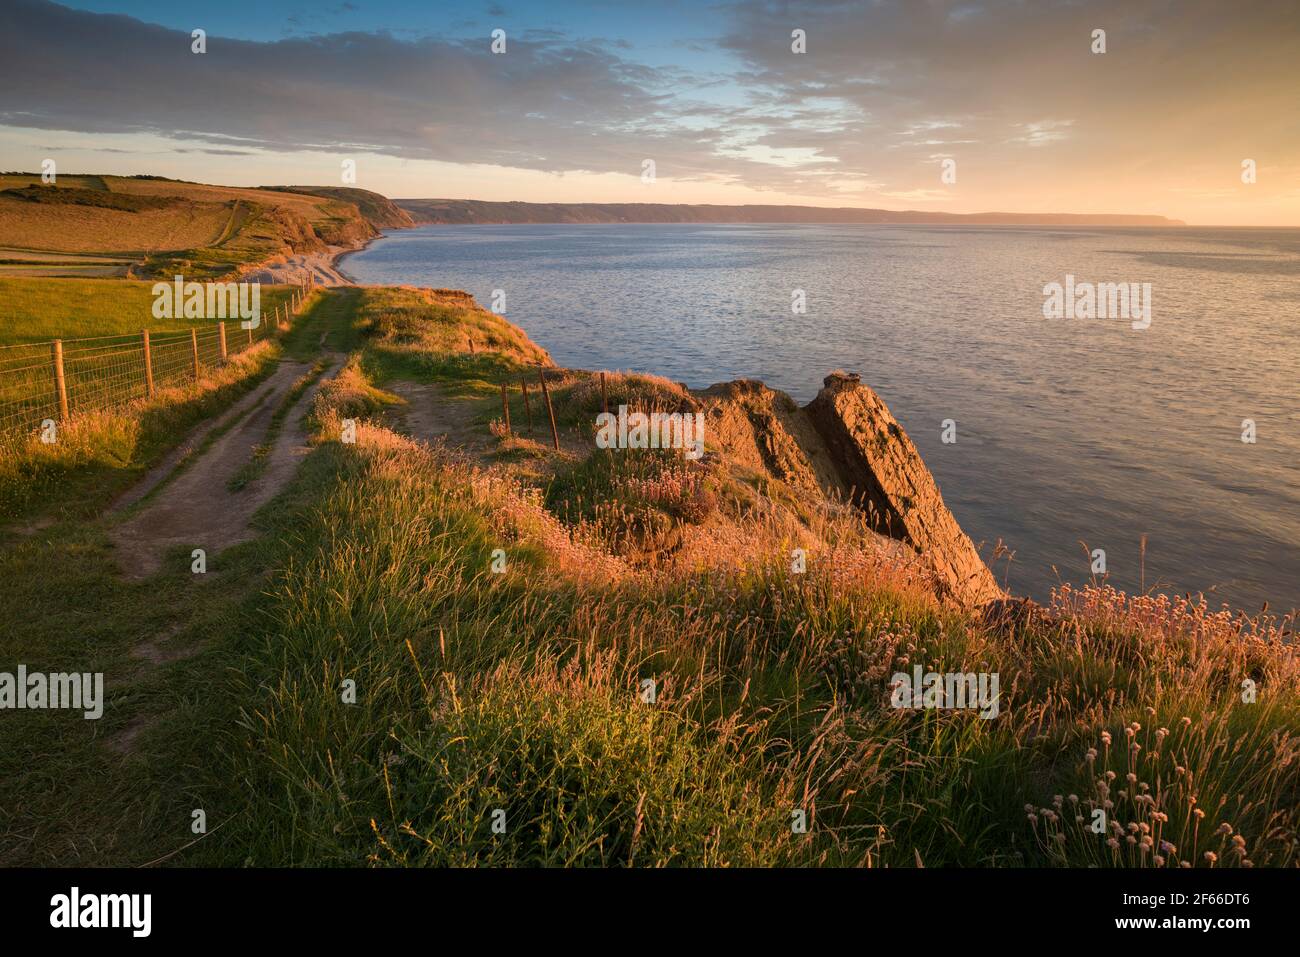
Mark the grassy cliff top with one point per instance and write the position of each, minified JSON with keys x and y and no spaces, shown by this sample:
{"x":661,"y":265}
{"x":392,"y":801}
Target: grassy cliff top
{"x":151,"y":226}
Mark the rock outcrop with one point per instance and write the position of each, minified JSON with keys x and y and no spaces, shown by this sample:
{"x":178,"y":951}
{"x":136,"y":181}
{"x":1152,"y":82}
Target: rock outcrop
{"x":846,"y":445}
{"x":886,"y":477}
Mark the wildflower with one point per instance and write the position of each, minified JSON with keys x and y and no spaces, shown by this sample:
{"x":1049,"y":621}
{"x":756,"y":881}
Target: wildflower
{"x":1186,"y":721}
{"x":1112,"y":843}
{"x":1105,"y":738}
{"x":1211,"y":856}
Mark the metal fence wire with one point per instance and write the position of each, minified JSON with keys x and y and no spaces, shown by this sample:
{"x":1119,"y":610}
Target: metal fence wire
{"x":61,"y":378}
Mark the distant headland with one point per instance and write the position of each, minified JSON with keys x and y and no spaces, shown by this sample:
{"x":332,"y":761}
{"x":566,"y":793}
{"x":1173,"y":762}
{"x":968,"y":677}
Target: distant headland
{"x":467,"y":211}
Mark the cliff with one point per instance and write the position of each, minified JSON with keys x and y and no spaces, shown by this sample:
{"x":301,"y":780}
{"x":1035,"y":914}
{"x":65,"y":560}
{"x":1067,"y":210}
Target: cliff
{"x":846,"y":446}
{"x":376,"y":209}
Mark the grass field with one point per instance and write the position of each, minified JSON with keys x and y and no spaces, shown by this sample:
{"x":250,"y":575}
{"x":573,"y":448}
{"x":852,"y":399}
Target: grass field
{"x":73,"y":227}
{"x":161,"y":227}
{"x":40,"y":309}
{"x":517,"y":696}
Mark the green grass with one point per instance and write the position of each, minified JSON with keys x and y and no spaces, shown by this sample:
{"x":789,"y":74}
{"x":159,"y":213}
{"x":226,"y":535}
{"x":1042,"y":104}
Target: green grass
{"x":100,"y":454}
{"x":40,"y":309}
{"x":520,"y":692}
{"x":68,"y":796}
{"x":426,"y":336}
{"x":73,"y":196}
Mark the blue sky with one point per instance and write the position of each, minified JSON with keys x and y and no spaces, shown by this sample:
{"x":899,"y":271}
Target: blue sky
{"x":887,"y":97}
{"x":661,"y":33}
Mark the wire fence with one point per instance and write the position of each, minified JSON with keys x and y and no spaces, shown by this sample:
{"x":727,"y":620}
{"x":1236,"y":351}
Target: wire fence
{"x":55,"y":380}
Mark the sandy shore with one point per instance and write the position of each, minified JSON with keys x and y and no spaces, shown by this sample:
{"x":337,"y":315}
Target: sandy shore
{"x":321,"y":268}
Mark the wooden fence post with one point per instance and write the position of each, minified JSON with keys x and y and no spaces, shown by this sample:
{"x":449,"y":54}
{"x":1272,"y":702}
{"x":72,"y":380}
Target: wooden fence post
{"x":604,"y":396}
{"x":250,"y":335}
{"x":505,"y":406}
{"x":523,"y":384}
{"x":148,"y":363}
{"x":60,"y":385}
{"x":546,"y":394}
{"x":194,"y":351}
{"x":221,"y":333}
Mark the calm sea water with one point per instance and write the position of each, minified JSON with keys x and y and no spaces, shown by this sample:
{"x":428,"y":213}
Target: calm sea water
{"x":1069,"y":431}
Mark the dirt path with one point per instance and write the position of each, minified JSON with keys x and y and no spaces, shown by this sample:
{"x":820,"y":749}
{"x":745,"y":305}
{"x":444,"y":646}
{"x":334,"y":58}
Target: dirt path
{"x":196,"y":508}
{"x":431,"y":414}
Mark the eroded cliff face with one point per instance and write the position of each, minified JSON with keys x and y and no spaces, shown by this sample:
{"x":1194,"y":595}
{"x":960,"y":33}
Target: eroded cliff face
{"x":845,"y":444}
{"x":886,"y":476}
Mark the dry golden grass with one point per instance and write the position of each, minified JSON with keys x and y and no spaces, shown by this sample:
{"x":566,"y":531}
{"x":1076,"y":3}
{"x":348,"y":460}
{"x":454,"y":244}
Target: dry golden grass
{"x":305,"y":205}
{"x":249,"y":225}
{"x":93,"y":229}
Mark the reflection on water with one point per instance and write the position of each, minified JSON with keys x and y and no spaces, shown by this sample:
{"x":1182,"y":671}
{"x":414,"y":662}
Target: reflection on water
{"x":1073,"y":434}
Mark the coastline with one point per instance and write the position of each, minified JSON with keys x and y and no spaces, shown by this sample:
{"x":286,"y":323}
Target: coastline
{"x":336,"y":259}
{"x":320,"y":269}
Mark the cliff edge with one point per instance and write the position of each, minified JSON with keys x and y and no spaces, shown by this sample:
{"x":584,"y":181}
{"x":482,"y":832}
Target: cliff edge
{"x":846,"y":445}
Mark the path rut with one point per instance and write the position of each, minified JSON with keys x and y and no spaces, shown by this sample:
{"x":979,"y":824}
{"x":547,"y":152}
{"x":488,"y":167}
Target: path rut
{"x":196,"y":508}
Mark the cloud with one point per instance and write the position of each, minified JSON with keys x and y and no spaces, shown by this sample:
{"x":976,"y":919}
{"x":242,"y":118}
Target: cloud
{"x":546,"y":104}
{"x":1011,"y":89}
{"x":1176,"y":77}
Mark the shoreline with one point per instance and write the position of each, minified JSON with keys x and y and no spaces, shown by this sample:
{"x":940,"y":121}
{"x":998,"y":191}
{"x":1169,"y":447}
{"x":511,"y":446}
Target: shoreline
{"x":320,"y":269}
{"x":336,"y":259}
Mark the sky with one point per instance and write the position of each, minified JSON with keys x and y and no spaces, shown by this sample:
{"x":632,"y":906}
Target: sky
{"x":963,"y":106}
